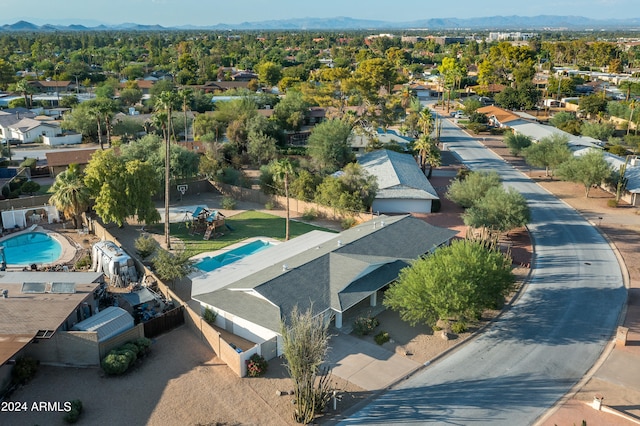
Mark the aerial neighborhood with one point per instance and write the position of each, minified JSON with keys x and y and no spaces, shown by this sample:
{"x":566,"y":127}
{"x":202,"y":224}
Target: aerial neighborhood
{"x":318,"y":219}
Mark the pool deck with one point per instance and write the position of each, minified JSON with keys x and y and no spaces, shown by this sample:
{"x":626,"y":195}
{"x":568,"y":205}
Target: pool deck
{"x":68,"y":251}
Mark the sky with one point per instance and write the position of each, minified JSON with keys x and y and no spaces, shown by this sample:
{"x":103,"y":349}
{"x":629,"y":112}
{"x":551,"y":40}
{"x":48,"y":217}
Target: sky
{"x":211,"y":12}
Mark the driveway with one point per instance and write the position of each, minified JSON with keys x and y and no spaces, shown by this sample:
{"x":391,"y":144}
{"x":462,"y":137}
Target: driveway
{"x":367,"y":365}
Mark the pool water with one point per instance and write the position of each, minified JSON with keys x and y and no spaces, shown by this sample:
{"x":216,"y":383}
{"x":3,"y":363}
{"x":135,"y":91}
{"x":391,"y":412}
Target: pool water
{"x":33,"y":247}
{"x":212,"y":263}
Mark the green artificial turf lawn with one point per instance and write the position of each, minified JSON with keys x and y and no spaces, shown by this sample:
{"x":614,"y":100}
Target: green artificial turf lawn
{"x":245,"y":225}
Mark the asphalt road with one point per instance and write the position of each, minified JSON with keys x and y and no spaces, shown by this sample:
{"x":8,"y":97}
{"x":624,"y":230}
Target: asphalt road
{"x":533,"y":354}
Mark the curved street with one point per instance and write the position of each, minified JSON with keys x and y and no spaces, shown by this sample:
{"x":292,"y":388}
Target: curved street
{"x":533,"y":354}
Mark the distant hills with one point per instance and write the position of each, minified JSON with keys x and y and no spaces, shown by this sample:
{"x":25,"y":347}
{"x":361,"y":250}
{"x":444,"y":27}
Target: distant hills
{"x":344,"y":23}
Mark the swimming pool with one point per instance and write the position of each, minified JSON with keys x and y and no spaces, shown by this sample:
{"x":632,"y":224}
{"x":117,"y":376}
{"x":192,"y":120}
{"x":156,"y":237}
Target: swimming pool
{"x":32,"y":247}
{"x":211,"y":263}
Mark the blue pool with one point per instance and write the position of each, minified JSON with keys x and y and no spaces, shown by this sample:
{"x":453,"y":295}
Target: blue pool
{"x":33,"y":247}
{"x":211,"y":263}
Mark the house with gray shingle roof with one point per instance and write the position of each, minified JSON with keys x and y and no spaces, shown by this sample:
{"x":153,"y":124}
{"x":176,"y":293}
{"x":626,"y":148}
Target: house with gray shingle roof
{"x":327,"y":272}
{"x":402,"y":187}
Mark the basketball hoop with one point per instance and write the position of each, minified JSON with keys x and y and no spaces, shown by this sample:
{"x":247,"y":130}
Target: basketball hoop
{"x":182,"y":189}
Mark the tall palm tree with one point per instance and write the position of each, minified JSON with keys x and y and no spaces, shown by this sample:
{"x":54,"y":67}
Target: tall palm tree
{"x":27,"y":90}
{"x":282,"y":171}
{"x":185,"y":95}
{"x":70,"y":195}
{"x":165,"y":102}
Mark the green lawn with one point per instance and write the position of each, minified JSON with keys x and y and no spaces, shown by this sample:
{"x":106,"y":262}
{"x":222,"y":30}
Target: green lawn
{"x":245,"y":225}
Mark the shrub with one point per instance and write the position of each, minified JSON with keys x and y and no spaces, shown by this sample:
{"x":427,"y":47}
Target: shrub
{"x":458,"y":327}
{"x":310,"y":214}
{"x":612,"y":203}
{"x":24,"y":369}
{"x":145,"y":245}
{"x":348,"y":222}
{"x":228,"y":203}
{"x":83,"y":262}
{"x":29,"y":162}
{"x":269,"y":205}
{"x":115,"y":364}
{"x":362,"y":326}
{"x":30,"y":187}
{"x":382,"y":338}
{"x":256,"y":365}
{"x":143,"y":344}
{"x":74,"y":415}
{"x":209,"y":316}
{"x":477,"y":127}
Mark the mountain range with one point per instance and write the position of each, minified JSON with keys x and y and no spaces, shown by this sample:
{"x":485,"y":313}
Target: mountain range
{"x":345,"y":23}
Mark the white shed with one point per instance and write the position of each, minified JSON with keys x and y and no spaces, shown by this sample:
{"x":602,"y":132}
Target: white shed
{"x":107,"y":323}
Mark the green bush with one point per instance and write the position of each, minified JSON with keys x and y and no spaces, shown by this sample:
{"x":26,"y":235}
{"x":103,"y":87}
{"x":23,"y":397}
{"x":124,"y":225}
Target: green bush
{"x":228,"y":203}
{"x":477,"y":127}
{"x":459,"y":327}
{"x":269,"y":205}
{"x":145,"y":245}
{"x":24,"y":369}
{"x":74,"y":415}
{"x":143,"y":344}
{"x":348,"y":222}
{"x":83,"y":262}
{"x":310,"y":214}
{"x":612,"y":203}
{"x":209,"y":316}
{"x":256,"y":365}
{"x":363,"y":326}
{"x":382,"y":338}
{"x":30,"y":187}
{"x":115,"y":364}
{"x":29,"y":162}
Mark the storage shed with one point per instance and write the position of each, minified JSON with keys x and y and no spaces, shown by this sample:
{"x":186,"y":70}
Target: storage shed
{"x":107,"y":323}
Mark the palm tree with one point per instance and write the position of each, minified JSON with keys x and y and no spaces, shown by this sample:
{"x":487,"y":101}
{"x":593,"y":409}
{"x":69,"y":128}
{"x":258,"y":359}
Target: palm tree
{"x":165,"y":102}
{"x":185,"y":96}
{"x":27,"y":90}
{"x":282,"y":171}
{"x":70,"y":195}
{"x":425,"y":121}
{"x":428,"y":154}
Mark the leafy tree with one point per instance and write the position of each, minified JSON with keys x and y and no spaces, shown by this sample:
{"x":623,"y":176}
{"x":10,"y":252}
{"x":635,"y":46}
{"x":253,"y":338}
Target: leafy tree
{"x":472,"y":188}
{"x":372,"y":74}
{"x":269,"y":73}
{"x":68,"y":101}
{"x":304,"y":186}
{"x":305,"y":340}
{"x":130,"y":96}
{"x":127,"y":128}
{"x":499,"y":210}
{"x":456,"y":282}
{"x":329,"y":145}
{"x":261,"y":147}
{"x":600,"y":131}
{"x":121,"y":189}
{"x":592,"y":105}
{"x":7,"y":74}
{"x":589,"y":169}
{"x":517,"y":142}
{"x":81,"y":120}
{"x":70,"y":195}
{"x":30,"y":187}
{"x":291,"y":111}
{"x":566,"y":121}
{"x":353,"y":191}
{"x":172,"y":267}
{"x":549,"y":153}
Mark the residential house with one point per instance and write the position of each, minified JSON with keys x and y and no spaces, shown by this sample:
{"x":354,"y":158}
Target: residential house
{"x":38,"y":311}
{"x":360,"y":141}
{"x":51,"y":86}
{"x":402,"y":186}
{"x":334,"y":275}
{"x":25,"y":129}
{"x":631,"y":193}
{"x":59,"y":161}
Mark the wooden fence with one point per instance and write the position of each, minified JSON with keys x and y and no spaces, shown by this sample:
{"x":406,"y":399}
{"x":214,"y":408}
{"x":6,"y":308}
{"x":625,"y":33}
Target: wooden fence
{"x":161,"y":324}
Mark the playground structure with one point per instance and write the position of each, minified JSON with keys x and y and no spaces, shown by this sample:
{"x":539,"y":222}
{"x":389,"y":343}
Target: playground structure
{"x":208,"y":222}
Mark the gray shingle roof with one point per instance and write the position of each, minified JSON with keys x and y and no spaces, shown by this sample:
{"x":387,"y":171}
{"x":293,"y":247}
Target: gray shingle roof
{"x":398,"y":175}
{"x":336,"y":274}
